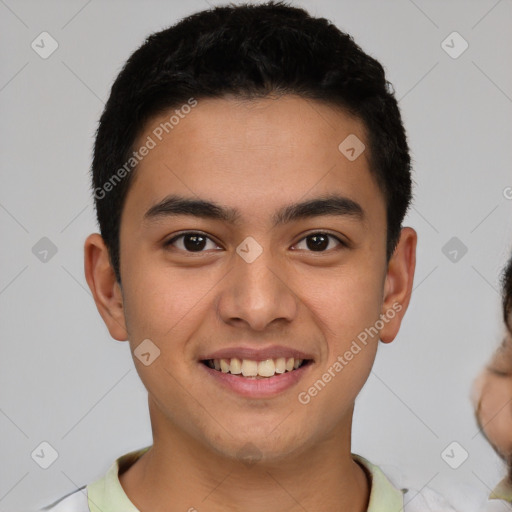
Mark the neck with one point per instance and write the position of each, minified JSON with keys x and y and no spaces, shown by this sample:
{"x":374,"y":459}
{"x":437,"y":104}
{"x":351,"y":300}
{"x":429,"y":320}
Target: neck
{"x":183,"y":475}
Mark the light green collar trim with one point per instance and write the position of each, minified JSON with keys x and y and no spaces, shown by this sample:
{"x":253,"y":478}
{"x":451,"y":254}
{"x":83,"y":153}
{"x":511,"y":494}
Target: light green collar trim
{"x":107,"y":494}
{"x":384,"y":497}
{"x":503,"y":491}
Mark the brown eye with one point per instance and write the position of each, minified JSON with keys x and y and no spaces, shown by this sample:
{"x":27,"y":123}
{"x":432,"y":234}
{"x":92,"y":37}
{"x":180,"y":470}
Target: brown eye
{"x":190,"y":242}
{"x":319,"y":242}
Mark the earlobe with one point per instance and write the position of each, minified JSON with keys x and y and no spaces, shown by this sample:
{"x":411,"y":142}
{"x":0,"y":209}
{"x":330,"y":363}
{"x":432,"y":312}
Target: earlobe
{"x":398,"y":284}
{"x":105,"y":289}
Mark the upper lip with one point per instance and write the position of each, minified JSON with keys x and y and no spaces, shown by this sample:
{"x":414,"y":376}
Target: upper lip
{"x":256,"y":354}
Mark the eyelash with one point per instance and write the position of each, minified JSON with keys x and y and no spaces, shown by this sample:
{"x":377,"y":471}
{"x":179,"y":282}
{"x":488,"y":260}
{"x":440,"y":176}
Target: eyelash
{"x":181,"y":235}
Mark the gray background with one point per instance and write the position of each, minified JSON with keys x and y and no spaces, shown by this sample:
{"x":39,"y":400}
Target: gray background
{"x":65,"y":381}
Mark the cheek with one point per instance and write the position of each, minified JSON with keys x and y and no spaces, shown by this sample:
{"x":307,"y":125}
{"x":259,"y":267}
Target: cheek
{"x":496,"y":412}
{"x":347,"y":310}
{"x":167,"y":306}
{"x":163,"y":302}
{"x":350,"y":307}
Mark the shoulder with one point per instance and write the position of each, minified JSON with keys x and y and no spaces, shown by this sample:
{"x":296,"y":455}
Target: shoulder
{"x":457,"y":498}
{"x":73,"y":502}
{"x":426,"y":500}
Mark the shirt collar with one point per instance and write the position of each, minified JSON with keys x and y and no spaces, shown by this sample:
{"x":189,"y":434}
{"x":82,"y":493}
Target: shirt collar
{"x":503,"y":491}
{"x":384,"y":497}
{"x":107,"y":495}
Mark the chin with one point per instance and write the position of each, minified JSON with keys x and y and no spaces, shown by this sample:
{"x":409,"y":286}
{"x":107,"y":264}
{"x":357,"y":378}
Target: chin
{"x":256,"y":449}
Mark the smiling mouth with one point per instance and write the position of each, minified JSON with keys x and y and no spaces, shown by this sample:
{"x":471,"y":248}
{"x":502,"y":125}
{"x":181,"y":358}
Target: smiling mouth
{"x":252,"y":369}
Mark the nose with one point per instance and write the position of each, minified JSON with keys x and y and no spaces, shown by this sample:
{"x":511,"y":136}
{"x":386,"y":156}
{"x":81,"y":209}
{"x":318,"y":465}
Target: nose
{"x":257,"y":293}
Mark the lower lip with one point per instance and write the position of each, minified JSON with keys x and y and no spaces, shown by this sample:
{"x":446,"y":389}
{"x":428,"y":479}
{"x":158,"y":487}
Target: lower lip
{"x":258,"y":388}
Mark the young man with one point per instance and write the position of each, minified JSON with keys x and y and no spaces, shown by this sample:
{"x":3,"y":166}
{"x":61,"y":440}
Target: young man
{"x":251,"y":174}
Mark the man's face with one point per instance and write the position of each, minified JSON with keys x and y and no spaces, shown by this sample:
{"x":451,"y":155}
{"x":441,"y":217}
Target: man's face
{"x":304,"y":285}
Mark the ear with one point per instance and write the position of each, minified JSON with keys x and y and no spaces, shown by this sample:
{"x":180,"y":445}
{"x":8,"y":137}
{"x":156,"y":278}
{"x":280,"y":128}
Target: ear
{"x":105,"y":289}
{"x":398,"y":284}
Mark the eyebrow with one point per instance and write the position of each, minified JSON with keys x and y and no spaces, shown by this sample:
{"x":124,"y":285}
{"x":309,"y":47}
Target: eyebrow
{"x":335,"y":205}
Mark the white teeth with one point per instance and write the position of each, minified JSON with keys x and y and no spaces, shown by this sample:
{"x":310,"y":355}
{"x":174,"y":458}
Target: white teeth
{"x":251,"y":368}
{"x":236,"y":366}
{"x":266,"y":368}
{"x":224,"y":365}
{"x":280,"y":365}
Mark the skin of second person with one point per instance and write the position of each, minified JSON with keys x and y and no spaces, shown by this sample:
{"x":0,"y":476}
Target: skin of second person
{"x":492,"y":398}
{"x":250,"y":451}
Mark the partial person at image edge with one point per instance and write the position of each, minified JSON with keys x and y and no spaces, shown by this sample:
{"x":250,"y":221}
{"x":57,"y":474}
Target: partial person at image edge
{"x":492,"y":398}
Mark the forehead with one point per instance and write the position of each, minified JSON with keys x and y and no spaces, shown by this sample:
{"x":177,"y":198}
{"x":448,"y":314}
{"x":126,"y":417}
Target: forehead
{"x":288,"y":126}
{"x":250,"y":153}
